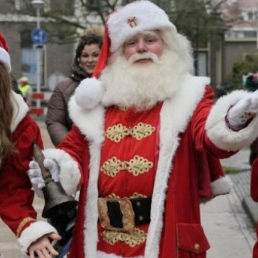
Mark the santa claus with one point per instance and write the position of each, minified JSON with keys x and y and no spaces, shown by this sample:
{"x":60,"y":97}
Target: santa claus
{"x":146,"y":142}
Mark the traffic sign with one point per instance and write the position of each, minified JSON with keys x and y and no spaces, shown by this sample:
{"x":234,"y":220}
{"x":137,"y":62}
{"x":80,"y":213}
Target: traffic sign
{"x":38,"y":36}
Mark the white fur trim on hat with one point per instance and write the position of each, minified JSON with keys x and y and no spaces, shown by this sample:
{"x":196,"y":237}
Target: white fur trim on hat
{"x":89,"y":93}
{"x":5,"y":58}
{"x":134,"y":18}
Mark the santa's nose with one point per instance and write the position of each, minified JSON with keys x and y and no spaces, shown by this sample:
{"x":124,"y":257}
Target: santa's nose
{"x":141,"y":46}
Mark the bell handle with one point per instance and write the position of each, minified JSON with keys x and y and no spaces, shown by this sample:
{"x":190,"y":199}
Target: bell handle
{"x":39,"y":157}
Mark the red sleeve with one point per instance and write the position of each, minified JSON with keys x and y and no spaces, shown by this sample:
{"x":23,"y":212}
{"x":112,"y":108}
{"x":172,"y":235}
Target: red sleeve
{"x":16,"y":196}
{"x":202,"y":142}
{"x":76,"y":146}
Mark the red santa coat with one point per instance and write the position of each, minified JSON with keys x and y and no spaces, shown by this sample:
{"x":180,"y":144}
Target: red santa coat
{"x":190,"y":139}
{"x":254,"y":195}
{"x":16,"y":195}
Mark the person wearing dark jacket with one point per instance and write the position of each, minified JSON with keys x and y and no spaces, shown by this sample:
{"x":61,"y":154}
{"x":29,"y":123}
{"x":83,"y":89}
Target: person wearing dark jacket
{"x":86,"y":56}
{"x":251,"y":85}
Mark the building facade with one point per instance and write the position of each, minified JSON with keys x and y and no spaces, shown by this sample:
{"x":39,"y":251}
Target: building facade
{"x":242,"y":38}
{"x":18,"y":20}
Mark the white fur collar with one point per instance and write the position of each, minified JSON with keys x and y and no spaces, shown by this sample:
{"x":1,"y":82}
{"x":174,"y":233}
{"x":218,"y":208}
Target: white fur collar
{"x":20,"y":110}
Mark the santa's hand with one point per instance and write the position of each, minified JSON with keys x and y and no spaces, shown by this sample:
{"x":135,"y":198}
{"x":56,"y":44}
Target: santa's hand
{"x":35,"y":174}
{"x":53,"y":168}
{"x":243,"y":110}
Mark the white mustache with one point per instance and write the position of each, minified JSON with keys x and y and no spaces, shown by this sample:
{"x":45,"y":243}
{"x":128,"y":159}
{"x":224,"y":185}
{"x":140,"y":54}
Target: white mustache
{"x":147,"y":55}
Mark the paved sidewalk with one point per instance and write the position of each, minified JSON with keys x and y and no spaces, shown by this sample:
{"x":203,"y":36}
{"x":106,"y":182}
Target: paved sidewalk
{"x":227,"y":219}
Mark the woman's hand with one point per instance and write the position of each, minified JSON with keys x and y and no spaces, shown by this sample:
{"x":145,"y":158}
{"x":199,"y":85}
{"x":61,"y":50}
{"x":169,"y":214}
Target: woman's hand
{"x":43,"y":248}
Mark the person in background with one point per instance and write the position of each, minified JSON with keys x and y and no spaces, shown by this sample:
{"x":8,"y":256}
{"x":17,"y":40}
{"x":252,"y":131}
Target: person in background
{"x":26,"y":90}
{"x":18,"y":131}
{"x":142,"y":125}
{"x":15,"y":86}
{"x":251,"y":84}
{"x":254,"y":195}
{"x":86,"y":56}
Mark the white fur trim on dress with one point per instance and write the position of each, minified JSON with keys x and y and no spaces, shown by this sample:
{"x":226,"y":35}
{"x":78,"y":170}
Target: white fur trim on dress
{"x":69,"y":171}
{"x":89,"y":93}
{"x":144,"y":15}
{"x":5,"y":59}
{"x":34,"y":232}
{"x":219,"y":132}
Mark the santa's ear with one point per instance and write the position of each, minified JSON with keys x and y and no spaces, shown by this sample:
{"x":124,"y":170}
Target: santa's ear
{"x":89,"y":93}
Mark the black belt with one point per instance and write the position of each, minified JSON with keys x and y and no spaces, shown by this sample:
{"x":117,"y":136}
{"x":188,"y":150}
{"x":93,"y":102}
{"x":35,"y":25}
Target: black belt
{"x":116,"y":212}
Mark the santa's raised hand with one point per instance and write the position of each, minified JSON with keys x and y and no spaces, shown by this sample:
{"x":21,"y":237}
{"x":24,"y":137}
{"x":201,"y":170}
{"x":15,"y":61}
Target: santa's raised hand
{"x":243,"y":111}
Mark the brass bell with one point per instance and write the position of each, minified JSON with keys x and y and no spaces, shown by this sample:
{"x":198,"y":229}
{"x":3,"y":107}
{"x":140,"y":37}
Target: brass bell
{"x":57,"y":202}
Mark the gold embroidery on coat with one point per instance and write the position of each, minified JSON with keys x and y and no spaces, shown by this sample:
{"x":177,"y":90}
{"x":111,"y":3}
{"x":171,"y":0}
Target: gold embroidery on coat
{"x":137,"y":165}
{"x":133,"y":196}
{"x":22,"y":224}
{"x":137,"y":195}
{"x":122,"y":108}
{"x":117,"y":132}
{"x":112,"y":167}
{"x":135,"y":237}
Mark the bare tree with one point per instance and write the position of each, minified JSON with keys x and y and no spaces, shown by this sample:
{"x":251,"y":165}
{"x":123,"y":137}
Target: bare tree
{"x":197,"y":19}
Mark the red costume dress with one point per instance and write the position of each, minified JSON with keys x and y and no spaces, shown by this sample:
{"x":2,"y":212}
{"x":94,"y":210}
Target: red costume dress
{"x":254,"y":195}
{"x":16,"y":195}
{"x":169,"y":153}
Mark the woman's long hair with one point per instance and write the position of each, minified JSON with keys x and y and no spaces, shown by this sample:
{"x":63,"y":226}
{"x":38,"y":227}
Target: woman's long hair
{"x":6,"y":110}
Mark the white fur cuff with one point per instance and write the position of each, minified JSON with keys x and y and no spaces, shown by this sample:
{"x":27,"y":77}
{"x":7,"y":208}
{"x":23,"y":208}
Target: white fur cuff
{"x":69,"y":171}
{"x":222,"y":185}
{"x":34,"y":232}
{"x":219,"y":132}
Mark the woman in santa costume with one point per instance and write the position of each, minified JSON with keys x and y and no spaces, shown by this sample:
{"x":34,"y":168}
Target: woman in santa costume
{"x":145,"y":146}
{"x":18,"y":131}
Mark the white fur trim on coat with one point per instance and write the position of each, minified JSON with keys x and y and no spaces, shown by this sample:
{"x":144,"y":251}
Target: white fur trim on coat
{"x":218,"y":131}
{"x":220,"y":186}
{"x":69,"y":171}
{"x":144,"y":15}
{"x":34,"y":232}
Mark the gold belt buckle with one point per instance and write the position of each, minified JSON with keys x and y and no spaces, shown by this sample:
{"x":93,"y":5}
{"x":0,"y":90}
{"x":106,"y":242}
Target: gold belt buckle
{"x":126,"y":209}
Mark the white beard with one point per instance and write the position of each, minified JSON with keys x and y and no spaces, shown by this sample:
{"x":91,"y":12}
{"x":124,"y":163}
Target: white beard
{"x":142,"y":86}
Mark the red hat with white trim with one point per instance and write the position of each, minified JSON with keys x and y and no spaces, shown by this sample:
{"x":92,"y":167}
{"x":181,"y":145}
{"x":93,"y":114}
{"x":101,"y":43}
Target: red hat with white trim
{"x":120,"y":26}
{"x":4,"y":55}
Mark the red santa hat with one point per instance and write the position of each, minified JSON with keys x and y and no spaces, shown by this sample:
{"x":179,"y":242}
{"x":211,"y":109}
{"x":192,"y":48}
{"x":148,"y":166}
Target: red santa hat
{"x":120,"y":26}
{"x":4,"y":55}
